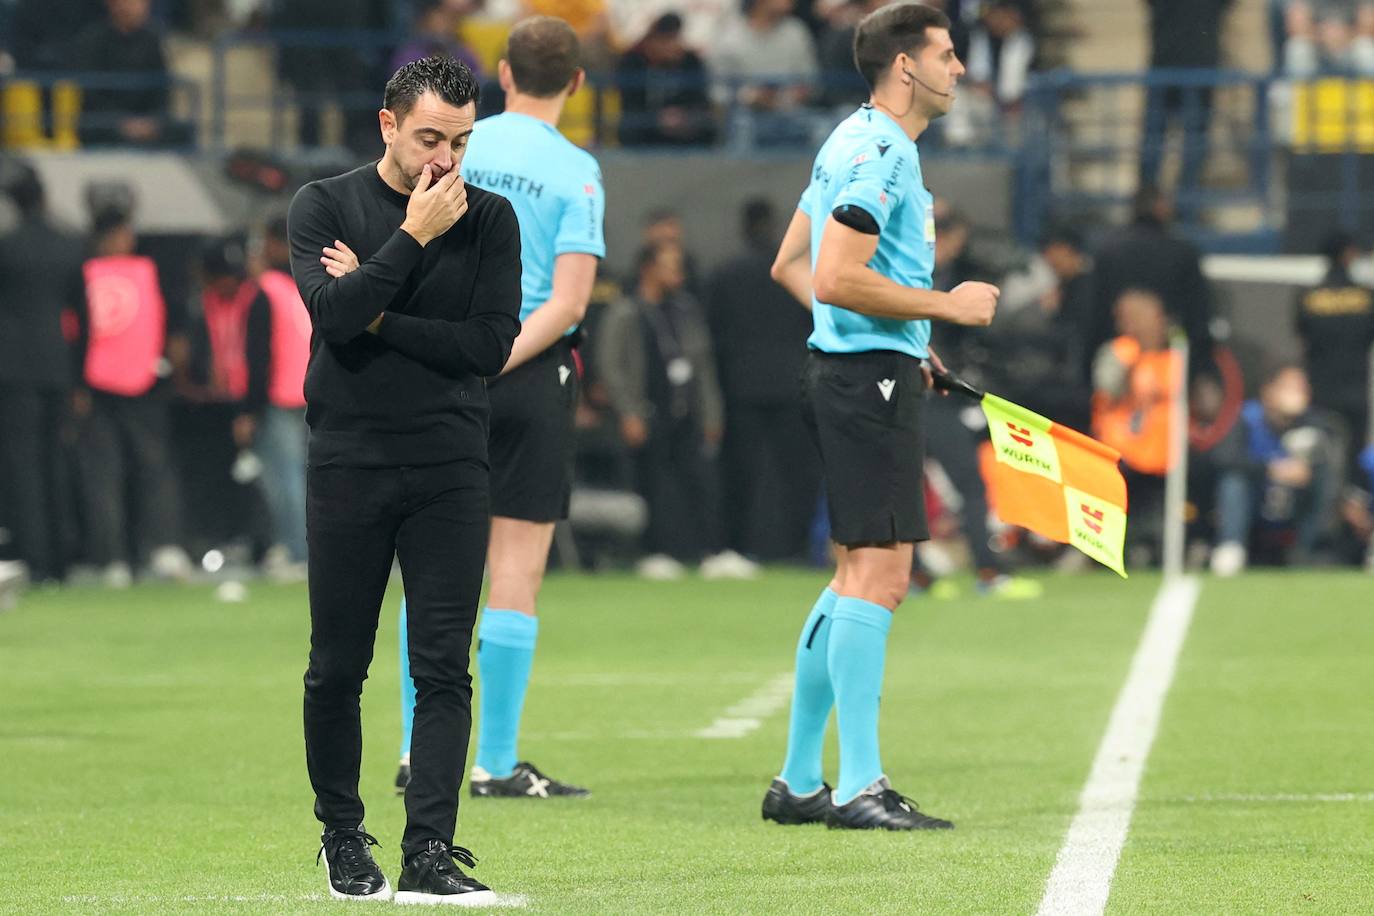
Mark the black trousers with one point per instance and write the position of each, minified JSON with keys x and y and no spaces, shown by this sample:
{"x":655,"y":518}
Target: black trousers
{"x":678,"y":480}
{"x":124,"y":453}
{"x":772,"y":478}
{"x":955,"y":446}
{"x":436,"y":520}
{"x":33,"y":479}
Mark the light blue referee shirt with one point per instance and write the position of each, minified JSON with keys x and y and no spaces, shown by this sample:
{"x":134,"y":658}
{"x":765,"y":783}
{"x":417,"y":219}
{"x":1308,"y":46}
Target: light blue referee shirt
{"x":869,"y":162}
{"x":554,"y":186}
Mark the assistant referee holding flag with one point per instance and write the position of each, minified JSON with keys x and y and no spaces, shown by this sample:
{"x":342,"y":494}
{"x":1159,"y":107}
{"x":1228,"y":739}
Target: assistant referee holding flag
{"x":860,"y":252}
{"x":398,"y":416}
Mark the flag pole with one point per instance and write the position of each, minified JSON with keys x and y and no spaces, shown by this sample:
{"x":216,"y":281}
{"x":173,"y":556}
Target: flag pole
{"x":1176,"y":483}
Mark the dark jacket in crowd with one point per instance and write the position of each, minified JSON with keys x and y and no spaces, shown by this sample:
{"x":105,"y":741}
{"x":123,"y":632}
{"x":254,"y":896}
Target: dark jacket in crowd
{"x":1335,"y":322}
{"x":40,"y":278}
{"x":100,"y":48}
{"x":1147,"y":255}
{"x":646,"y":89}
{"x":760,"y":332}
{"x":1186,"y":33}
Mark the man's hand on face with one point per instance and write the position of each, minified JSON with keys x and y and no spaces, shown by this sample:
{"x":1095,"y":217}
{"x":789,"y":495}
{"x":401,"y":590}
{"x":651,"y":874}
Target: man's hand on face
{"x":435,"y":205}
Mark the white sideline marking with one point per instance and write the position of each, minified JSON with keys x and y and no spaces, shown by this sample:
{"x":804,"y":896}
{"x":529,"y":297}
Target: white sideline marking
{"x":1282,"y":797}
{"x":1082,"y":875}
{"x":748,"y":714}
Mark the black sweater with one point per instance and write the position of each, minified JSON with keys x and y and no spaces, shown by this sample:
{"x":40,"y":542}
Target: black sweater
{"x":414,"y":393}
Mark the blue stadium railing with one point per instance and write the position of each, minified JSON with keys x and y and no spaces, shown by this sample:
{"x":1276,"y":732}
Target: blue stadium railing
{"x":1075,"y":143}
{"x":52,"y":124}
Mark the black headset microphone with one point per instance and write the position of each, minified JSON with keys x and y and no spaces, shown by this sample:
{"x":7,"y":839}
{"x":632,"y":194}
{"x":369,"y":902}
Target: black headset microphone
{"x":927,"y":86}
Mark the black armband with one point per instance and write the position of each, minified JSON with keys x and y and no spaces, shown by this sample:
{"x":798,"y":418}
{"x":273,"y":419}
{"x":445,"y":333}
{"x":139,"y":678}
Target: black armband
{"x":856,"y":218}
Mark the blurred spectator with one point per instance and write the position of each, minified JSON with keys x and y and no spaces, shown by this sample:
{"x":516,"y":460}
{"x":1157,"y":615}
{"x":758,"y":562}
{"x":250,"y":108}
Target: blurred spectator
{"x":42,"y":31}
{"x":1335,"y":321}
{"x":843,"y":86}
{"x":1275,"y":470}
{"x":1039,"y":336}
{"x":664,"y":227}
{"x":278,"y":432}
{"x":123,"y":47}
{"x":124,"y":434}
{"x":703,"y":21}
{"x":766,"y":62}
{"x":663,"y":90}
{"x":226,"y":387}
{"x":1134,"y":383}
{"x":955,"y":429}
{"x":1148,"y":254}
{"x":1002,"y":52}
{"x":770,"y":468}
{"x":40,"y":285}
{"x":435,"y":31}
{"x":1328,"y":35}
{"x":339,"y":72}
{"x":659,"y":373}
{"x":1184,"y":34}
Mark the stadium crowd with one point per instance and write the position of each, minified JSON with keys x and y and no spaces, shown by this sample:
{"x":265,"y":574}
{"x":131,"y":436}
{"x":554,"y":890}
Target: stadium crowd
{"x":151,"y":408}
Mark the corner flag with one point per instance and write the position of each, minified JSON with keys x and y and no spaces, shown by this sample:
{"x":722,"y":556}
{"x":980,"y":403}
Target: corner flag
{"x":1054,"y":480}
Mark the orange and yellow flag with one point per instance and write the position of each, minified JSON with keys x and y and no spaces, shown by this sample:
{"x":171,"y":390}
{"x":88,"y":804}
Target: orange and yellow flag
{"x":1057,"y":482}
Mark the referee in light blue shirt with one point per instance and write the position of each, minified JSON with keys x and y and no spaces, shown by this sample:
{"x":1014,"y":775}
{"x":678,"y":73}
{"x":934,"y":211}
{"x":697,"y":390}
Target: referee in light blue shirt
{"x":859,"y":253}
{"x":556,"y":191}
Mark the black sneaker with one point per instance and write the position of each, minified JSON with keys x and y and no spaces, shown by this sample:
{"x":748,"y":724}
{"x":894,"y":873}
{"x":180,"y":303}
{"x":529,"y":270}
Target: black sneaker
{"x":881,"y":807}
{"x":402,"y":777}
{"x":353,"y":874}
{"x":525,"y":781}
{"x":782,"y":806}
{"x":431,"y":876}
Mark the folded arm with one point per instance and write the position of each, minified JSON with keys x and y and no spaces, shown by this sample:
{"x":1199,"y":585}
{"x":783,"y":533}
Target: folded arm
{"x":342,"y":307}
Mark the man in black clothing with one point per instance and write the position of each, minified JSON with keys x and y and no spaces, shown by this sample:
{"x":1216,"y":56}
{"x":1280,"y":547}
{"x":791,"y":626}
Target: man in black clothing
{"x":1147,"y":254}
{"x":663,"y":90}
{"x":124,"y":49}
{"x":1335,"y":322}
{"x":40,"y":279}
{"x":772,"y":475}
{"x":397,"y":462}
{"x":1184,"y":34}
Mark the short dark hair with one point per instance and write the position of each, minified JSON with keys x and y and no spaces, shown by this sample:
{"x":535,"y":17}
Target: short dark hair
{"x":449,"y":79}
{"x":757,"y":219}
{"x":1063,"y":234}
{"x":544,"y":54}
{"x":24,"y":187}
{"x":667,"y":25}
{"x":889,"y":31}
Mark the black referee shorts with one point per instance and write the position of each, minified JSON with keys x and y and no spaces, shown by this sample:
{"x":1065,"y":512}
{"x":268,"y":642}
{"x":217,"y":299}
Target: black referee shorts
{"x":865,"y":412}
{"x":531,"y":445}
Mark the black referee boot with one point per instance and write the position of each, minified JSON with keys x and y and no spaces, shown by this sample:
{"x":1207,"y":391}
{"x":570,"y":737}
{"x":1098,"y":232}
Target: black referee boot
{"x":780,"y":805}
{"x":525,"y":781}
{"x":431,"y":876}
{"x":881,"y":807}
{"x":353,"y":873}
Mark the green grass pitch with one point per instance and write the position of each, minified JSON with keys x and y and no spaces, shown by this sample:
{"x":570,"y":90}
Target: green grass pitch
{"x":152,"y":757}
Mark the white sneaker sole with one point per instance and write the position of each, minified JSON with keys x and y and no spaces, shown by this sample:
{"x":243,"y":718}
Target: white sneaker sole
{"x":381,"y":896}
{"x":472,"y":898}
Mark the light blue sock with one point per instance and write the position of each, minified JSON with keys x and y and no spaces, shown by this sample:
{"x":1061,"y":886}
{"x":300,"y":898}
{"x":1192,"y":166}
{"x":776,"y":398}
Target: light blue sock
{"x":504,"y":655}
{"x":858,"y":647}
{"x":407,"y":685}
{"x":811,"y":700}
